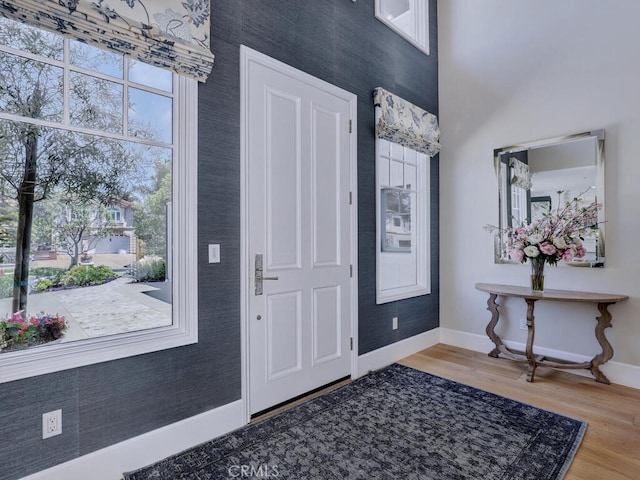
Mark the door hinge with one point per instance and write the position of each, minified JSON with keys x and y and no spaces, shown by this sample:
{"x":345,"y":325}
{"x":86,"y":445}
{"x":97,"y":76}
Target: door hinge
{"x":351,"y":343}
{"x":350,"y":126}
{"x":351,"y":271}
{"x":350,"y":198}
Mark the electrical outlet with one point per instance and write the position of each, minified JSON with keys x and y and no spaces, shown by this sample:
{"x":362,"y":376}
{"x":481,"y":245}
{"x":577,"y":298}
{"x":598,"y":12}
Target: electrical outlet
{"x":523,"y":324}
{"x":51,"y":424}
{"x":394,"y":323}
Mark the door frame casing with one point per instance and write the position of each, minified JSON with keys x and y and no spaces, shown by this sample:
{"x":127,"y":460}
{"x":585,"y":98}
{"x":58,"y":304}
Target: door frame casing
{"x":247,"y":56}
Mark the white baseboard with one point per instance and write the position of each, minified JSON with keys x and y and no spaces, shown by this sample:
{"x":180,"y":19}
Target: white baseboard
{"x":111,"y":462}
{"x":619,"y":373}
{"x":396,"y":351}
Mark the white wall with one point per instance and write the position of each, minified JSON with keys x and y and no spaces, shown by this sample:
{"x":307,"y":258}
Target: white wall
{"x":513,"y":72}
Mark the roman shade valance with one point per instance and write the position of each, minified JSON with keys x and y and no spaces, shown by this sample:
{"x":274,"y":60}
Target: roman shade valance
{"x":406,"y":124}
{"x":521,"y":174}
{"x":172,"y":34}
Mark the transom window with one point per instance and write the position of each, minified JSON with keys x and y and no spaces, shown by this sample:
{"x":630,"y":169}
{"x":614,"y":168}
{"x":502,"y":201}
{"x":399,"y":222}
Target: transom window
{"x":91,"y":162}
{"x":408,"y":18}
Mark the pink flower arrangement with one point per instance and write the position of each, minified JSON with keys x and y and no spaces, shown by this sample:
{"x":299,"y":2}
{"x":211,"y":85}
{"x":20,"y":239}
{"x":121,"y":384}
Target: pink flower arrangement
{"x":556,"y":236}
{"x":17,"y":332}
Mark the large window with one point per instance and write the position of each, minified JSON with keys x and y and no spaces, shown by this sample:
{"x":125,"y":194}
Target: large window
{"x":97,"y":156}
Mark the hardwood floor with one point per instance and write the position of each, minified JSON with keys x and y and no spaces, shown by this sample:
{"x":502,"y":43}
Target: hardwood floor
{"x":610,"y":449}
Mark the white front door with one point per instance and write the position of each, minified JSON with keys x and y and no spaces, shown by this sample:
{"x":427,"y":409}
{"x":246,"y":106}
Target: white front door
{"x":298,"y":158}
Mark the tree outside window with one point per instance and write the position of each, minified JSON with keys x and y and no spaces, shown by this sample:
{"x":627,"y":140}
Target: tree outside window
{"x":85,"y":169}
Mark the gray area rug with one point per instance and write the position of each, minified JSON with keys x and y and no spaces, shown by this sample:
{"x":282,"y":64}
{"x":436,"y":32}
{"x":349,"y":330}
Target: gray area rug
{"x":397,"y":423}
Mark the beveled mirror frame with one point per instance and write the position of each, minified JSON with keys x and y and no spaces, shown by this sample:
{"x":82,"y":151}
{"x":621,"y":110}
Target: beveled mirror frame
{"x":500,"y":250}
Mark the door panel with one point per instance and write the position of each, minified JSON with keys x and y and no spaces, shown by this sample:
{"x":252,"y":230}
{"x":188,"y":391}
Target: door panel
{"x":327,"y":195}
{"x":327,"y":317}
{"x":284,"y":328}
{"x":299,"y":159}
{"x":283,"y":166}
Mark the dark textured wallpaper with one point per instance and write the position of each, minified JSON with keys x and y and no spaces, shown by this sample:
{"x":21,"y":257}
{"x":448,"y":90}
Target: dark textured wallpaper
{"x":339,"y":41}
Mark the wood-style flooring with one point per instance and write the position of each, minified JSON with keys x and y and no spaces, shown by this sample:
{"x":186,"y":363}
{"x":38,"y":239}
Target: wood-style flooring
{"x":610,"y":449}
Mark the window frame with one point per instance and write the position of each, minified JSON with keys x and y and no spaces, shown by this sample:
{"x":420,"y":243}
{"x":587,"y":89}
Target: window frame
{"x":182,"y":261}
{"x":421,"y":24}
{"x":420,"y":260}
{"x":116,"y":214}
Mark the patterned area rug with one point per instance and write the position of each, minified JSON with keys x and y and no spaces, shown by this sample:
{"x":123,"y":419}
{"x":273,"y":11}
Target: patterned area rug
{"x":396,"y":423}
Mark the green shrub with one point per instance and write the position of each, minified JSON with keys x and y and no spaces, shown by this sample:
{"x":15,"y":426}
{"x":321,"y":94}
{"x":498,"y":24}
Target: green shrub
{"x":149,"y":269}
{"x":83,"y":275}
{"x":6,"y":286}
{"x":42,"y":284}
{"x":52,"y":273}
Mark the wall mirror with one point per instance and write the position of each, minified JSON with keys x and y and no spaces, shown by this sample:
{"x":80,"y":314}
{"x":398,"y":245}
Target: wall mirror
{"x":556,"y":171}
{"x":409,"y":18}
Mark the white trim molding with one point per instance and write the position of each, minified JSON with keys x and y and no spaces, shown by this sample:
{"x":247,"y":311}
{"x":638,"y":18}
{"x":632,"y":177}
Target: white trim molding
{"x":111,"y":462}
{"x":396,"y":351}
{"x":617,"y":372}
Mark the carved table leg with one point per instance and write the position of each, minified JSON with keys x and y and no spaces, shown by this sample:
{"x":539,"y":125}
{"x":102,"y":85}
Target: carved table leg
{"x":530,"y":334}
{"x":604,"y":321}
{"x":492,"y":306}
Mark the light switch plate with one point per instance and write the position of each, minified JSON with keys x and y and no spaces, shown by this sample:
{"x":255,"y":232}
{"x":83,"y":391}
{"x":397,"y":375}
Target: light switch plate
{"x":214,"y":253}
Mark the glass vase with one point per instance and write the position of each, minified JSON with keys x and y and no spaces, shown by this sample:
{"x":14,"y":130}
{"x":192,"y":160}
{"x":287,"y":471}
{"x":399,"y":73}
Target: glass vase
{"x":537,"y":274}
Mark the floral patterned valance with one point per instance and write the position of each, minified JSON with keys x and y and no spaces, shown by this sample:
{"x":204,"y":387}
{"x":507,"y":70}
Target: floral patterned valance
{"x":521,"y":175}
{"x":172,"y":34}
{"x":406,"y":124}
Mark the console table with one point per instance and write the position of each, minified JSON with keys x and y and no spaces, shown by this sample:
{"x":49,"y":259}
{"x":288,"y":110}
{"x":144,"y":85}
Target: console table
{"x":603,"y":300}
